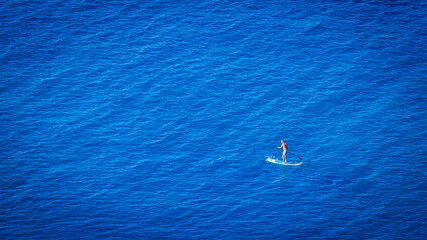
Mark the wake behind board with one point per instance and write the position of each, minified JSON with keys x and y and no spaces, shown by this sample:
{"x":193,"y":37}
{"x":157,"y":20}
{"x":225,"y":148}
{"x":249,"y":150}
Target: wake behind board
{"x":277,"y":161}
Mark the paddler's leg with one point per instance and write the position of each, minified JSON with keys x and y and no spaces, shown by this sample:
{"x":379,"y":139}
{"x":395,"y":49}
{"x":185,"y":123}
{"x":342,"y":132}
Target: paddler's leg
{"x":284,"y":156}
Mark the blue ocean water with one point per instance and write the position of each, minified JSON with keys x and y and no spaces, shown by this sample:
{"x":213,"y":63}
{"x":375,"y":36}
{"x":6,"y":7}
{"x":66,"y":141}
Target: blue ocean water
{"x":153,"y":119}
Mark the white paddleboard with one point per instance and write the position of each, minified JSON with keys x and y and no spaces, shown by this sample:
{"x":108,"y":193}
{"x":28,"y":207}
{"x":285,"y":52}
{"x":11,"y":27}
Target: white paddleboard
{"x":277,"y":161}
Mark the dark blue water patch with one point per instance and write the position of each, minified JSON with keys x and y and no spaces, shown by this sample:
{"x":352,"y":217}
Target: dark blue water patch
{"x":154,"y":120}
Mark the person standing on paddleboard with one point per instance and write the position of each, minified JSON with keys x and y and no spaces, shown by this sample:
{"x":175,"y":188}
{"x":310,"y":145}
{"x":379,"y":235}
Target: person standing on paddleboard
{"x":285,"y":148}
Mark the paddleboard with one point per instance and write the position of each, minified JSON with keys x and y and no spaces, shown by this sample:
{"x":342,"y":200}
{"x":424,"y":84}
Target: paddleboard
{"x":277,"y":161}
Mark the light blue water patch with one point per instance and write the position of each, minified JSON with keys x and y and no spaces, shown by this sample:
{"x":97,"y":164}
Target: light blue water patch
{"x":153,"y":120}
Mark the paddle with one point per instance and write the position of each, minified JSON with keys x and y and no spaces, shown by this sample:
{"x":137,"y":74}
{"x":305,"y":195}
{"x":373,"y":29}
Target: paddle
{"x":295,"y":155}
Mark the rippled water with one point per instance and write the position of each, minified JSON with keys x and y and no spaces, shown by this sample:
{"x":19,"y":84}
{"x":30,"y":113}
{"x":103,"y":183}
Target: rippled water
{"x":153,"y":120}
